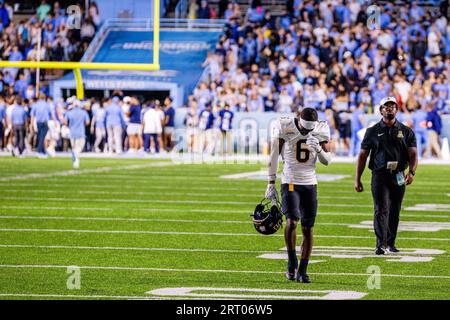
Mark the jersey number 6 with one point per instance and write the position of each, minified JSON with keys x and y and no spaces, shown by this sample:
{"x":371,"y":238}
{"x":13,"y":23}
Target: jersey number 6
{"x":302,"y":151}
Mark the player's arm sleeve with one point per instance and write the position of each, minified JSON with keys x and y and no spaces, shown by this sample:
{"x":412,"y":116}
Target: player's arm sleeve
{"x":324,"y":156}
{"x":275,"y":150}
{"x":412,"y":142}
{"x":367,"y":144}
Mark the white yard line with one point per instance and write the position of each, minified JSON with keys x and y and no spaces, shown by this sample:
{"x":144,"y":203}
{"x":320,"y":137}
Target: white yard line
{"x":228,"y":212}
{"x":31,"y":266}
{"x":318,"y":249}
{"x":246,"y":203}
{"x":348,"y":224}
{"x":70,"y":186}
{"x":191,"y":194}
{"x":124,"y":219}
{"x":62,"y":296}
{"x":131,"y":248}
{"x":57,"y":208}
{"x":40,"y":230}
{"x":67,"y":173}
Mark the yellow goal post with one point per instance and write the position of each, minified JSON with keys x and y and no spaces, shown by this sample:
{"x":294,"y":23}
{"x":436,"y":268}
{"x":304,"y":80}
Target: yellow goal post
{"x":78,"y":66}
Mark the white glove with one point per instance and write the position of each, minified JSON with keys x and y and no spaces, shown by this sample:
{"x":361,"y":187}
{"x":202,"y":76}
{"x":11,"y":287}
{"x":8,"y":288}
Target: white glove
{"x":312,"y":143}
{"x":271,"y":192}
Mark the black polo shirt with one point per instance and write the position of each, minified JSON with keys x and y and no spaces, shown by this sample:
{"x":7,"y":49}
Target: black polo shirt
{"x":388,"y":144}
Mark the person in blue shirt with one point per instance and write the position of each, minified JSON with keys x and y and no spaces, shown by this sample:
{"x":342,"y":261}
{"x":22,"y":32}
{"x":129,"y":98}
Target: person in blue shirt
{"x":358,"y":123}
{"x":98,"y":125}
{"x":18,"y":119}
{"x":134,"y":129}
{"x":169,"y":123}
{"x":2,"y":120}
{"x":206,"y":126}
{"x":419,"y":119}
{"x":226,"y":120}
{"x":76,"y":119}
{"x":41,"y":113}
{"x":434,"y":125}
{"x":115,"y":120}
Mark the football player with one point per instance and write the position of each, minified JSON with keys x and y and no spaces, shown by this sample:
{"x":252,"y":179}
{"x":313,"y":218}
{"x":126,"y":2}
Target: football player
{"x":301,"y":142}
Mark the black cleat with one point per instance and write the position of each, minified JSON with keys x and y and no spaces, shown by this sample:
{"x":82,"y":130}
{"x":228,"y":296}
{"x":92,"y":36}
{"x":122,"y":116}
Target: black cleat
{"x":290,"y":275}
{"x":380,"y":251}
{"x":303,"y":278}
{"x":393,"y":249}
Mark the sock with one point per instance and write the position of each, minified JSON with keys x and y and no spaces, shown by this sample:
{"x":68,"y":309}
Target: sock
{"x":303,"y":266}
{"x":292,"y":260}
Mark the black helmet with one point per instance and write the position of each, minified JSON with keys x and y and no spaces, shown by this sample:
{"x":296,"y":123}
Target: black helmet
{"x":267,"y":217}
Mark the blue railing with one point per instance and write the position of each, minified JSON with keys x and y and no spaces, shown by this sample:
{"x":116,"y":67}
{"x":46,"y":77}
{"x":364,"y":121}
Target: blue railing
{"x":147,"y":24}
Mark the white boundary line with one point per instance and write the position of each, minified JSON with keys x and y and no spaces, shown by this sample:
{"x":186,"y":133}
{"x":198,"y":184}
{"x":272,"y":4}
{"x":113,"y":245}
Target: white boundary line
{"x":67,"y":173}
{"x":193,"y":233}
{"x":214,"y":271}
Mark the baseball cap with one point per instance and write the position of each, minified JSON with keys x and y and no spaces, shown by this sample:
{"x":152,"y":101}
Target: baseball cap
{"x":388,"y":99}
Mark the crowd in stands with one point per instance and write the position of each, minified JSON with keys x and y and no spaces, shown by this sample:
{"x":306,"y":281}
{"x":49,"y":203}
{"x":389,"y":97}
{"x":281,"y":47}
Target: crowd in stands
{"x":116,"y":124}
{"x":330,"y":56}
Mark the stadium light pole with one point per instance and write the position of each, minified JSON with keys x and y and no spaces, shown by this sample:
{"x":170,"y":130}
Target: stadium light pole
{"x":78,"y":66}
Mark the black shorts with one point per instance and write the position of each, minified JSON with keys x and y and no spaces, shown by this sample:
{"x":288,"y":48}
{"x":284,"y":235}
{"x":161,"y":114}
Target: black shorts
{"x":300,"y":203}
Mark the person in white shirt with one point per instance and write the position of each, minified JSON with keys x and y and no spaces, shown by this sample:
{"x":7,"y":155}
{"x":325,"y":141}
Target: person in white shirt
{"x":151,"y":127}
{"x":301,"y":142}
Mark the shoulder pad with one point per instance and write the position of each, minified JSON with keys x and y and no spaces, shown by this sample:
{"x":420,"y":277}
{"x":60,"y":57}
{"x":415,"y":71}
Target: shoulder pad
{"x":285,"y":128}
{"x":322,"y":131}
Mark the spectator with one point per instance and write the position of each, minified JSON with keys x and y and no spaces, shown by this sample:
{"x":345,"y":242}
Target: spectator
{"x":419,"y":119}
{"x":114,"y":122}
{"x":204,"y":12}
{"x":77,"y":119}
{"x":434,"y":124}
{"x":98,"y":124}
{"x":169,"y":123}
{"x":226,"y":119}
{"x":18,"y":121}
{"x":206,"y":126}
{"x":191,"y":122}
{"x":357,"y":124}
{"x":2,"y":121}
{"x":43,"y":10}
{"x":151,"y":127}
{"x":134,"y":127}
{"x":41,"y":113}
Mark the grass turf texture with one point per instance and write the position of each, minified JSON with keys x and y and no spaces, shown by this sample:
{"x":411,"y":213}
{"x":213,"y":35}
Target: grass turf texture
{"x":154,"y":226}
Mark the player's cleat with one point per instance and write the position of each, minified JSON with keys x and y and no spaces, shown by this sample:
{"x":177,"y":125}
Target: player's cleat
{"x":290,"y":275}
{"x":76,"y":164}
{"x":303,"y":278}
{"x":380,"y":251}
{"x":392,"y":249}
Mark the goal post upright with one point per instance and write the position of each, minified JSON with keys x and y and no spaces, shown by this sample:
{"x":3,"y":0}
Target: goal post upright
{"x":78,"y":66}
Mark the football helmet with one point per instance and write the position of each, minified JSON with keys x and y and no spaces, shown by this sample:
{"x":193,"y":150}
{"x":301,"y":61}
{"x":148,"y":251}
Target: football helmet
{"x":267,"y":217}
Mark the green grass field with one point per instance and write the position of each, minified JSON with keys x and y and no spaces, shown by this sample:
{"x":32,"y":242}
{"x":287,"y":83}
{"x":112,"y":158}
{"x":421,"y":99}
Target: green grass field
{"x":133,"y":226}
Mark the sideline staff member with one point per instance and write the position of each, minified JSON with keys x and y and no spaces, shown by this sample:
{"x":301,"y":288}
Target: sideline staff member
{"x":392,"y":148}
